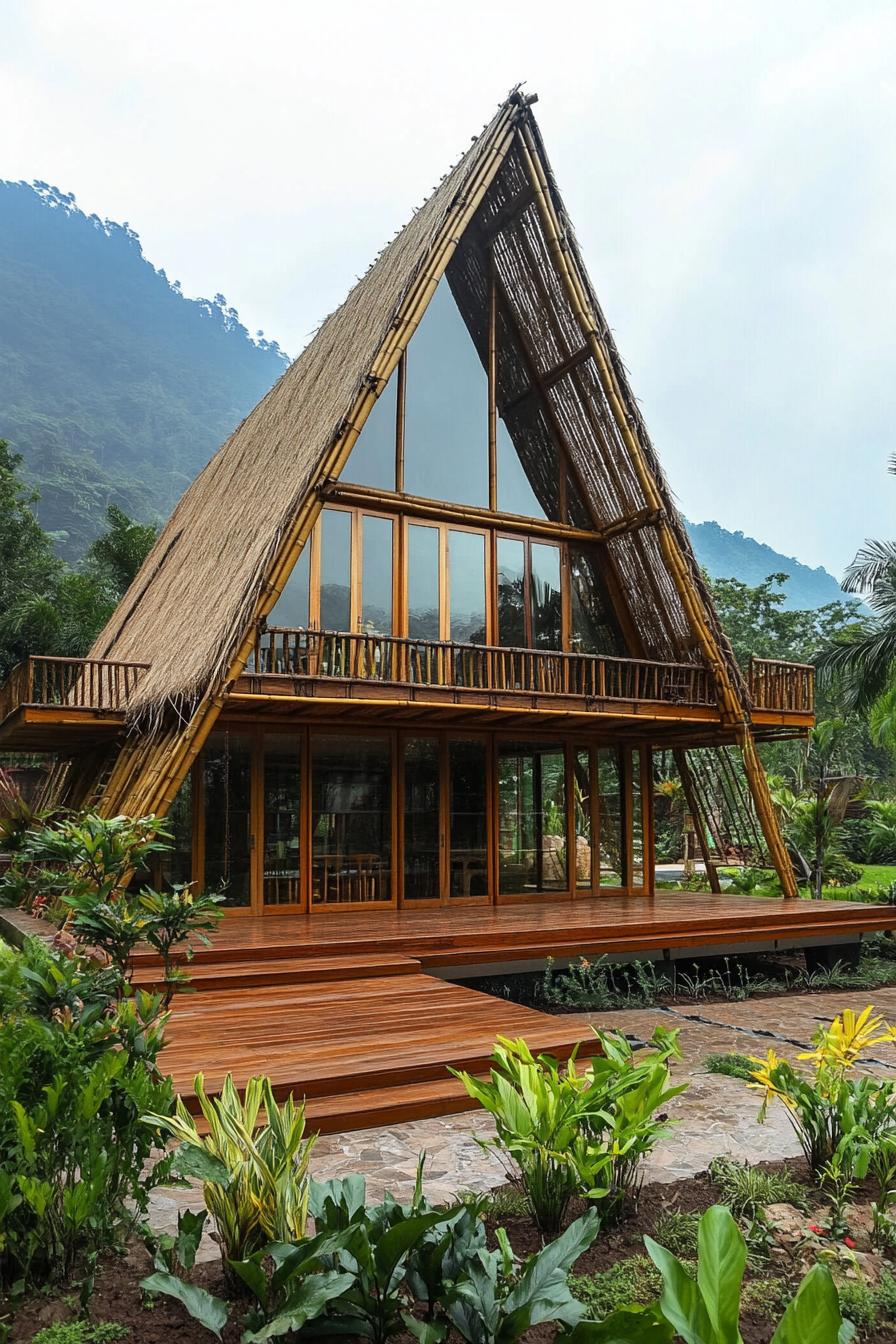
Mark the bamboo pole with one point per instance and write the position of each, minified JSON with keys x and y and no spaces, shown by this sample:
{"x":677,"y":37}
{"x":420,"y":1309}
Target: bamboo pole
{"x":696,"y":811}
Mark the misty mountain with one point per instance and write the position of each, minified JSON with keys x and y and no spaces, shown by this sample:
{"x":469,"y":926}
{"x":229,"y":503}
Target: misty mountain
{"x":116,"y":388}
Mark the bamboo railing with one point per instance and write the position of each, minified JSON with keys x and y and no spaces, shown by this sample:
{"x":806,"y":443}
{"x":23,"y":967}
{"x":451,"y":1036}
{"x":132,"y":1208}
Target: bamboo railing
{"x":81,"y":683}
{"x":788,"y":687}
{"x":482,"y":667}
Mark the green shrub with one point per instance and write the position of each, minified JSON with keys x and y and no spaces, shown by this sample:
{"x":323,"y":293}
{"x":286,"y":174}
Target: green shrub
{"x":632,"y":1282}
{"x":81,"y":1332}
{"x":78,"y":1072}
{"x":730,"y":1065}
{"x":678,"y":1233}
{"x":748,"y":1190}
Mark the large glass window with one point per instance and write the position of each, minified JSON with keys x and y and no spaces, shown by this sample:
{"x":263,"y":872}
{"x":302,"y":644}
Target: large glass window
{"x":584,"y":831}
{"x":544,"y":596}
{"x":227,"y":773}
{"x":532,"y":818}
{"x":638,"y":803}
{"x":376,"y":575}
{"x":446,"y":418}
{"x":468,"y":817}
{"x":281,"y":807}
{"x":466,"y":586}
{"x":335,"y":570}
{"x":591,"y":630}
{"x":612,"y":850}
{"x":291,"y":609}
{"x":515,"y":493}
{"x":511,"y":592}
{"x":421,"y":819}
{"x":177,"y":862}
{"x":351,"y":819}
{"x":372,"y":460}
{"x":423,"y":581}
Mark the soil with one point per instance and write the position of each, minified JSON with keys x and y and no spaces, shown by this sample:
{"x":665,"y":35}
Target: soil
{"x":117,"y":1295}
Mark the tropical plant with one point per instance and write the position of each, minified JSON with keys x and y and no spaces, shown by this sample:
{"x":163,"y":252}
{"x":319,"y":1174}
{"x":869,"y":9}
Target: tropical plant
{"x":746,"y":1189}
{"x":17,"y":816}
{"x":174,"y":919}
{"x":706,"y":1309}
{"x":89,"y":856}
{"x":829,"y":1104}
{"x":255,"y":1179}
{"x":78,"y":1073}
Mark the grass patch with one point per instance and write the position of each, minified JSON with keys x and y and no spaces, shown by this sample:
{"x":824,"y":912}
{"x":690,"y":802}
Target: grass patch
{"x":748,"y":1190}
{"x":678,"y":1233}
{"x":505,"y":1202}
{"x":732,"y":1065}
{"x":632,"y":1282}
{"x":81,"y":1332}
{"x":868,"y":1307}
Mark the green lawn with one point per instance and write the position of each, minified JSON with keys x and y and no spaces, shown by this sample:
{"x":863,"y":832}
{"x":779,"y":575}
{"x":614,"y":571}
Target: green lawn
{"x":875,"y":877}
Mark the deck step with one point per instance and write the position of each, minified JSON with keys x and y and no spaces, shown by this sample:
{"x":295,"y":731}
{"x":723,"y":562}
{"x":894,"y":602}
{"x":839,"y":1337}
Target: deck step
{"x":296,"y":970}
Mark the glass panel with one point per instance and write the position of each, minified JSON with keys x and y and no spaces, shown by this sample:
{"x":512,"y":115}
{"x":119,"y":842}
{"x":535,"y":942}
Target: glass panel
{"x":467,"y":819}
{"x":228,"y":818}
{"x":177,"y":862}
{"x":515,"y":494}
{"x":423,"y":582}
{"x":466,"y":586}
{"x":372,"y":460}
{"x":581,"y":781}
{"x":421,"y":819}
{"x":637,"y":822}
{"x":610,"y":803}
{"x":282,"y":802}
{"x":511,"y":593}
{"x":544,"y":593}
{"x":335,"y":570}
{"x":291,"y":608}
{"x":351,"y":819}
{"x":532,"y":818}
{"x":590,"y":628}
{"x":376,"y":575}
{"x":446,"y":415}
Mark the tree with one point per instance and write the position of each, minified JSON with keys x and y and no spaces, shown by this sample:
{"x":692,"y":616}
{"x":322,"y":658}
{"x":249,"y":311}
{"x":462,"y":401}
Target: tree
{"x":28,"y":567}
{"x":115,"y":557}
{"x":757,"y":622}
{"x":865,"y":662}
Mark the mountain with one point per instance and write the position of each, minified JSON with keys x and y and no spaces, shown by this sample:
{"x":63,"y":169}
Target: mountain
{"x":114,"y":386}
{"x":117,"y":388}
{"x":728,"y":555}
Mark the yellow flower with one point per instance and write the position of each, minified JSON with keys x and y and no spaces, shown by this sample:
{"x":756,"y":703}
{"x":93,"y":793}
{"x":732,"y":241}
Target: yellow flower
{"x":849,"y":1037}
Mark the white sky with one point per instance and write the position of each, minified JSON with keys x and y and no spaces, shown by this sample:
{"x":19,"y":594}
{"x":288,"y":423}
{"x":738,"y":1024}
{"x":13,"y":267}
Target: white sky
{"x":730,"y":168}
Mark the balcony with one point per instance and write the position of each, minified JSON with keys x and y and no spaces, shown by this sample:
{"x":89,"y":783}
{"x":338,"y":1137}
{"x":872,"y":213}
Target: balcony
{"x":782,"y":688}
{"x":47,"y":703}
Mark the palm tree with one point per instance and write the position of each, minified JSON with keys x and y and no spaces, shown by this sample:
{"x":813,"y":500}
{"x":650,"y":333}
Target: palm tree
{"x":866,"y":667}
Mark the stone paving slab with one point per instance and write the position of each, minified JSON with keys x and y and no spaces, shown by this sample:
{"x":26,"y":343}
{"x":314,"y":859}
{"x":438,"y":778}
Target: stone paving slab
{"x":717,"y":1114}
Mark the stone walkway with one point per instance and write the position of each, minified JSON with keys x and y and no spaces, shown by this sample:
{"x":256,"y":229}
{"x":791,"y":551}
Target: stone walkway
{"x":715,"y":1115}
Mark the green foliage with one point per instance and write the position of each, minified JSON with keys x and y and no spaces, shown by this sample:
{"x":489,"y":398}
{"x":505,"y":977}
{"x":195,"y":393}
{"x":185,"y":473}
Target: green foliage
{"x":632,"y":1282}
{"x":255,"y":1180}
{"x":732,"y":1065}
{"x":78,"y":1072}
{"x":563,"y":1133}
{"x":678,"y":1232}
{"x":172,"y":921}
{"x":706,"y":1309}
{"x":747,"y":1190}
{"x":81,"y":1332}
{"x":601,"y":985}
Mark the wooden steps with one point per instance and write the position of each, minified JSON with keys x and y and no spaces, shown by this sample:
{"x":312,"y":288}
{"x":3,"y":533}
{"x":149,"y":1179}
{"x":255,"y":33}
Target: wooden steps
{"x":211,"y":974}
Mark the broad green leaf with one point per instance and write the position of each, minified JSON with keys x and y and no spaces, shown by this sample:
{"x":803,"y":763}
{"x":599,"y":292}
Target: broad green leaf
{"x":721,"y":1259}
{"x":680,"y":1302}
{"x":629,"y":1325}
{"x":208,"y":1310}
{"x":201,"y":1165}
{"x":813,"y":1316}
{"x":309,"y":1298}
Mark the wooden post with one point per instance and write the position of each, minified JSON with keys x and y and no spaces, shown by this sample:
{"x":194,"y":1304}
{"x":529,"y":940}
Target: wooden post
{"x":768,"y":817}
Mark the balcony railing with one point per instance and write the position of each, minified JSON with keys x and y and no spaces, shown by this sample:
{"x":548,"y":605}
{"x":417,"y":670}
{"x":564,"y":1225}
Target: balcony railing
{"x":479,"y":667}
{"x":785,"y":687}
{"x":80,"y":683}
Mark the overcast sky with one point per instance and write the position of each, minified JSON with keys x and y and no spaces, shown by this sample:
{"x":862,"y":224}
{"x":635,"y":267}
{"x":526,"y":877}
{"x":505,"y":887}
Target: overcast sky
{"x":730,"y":168}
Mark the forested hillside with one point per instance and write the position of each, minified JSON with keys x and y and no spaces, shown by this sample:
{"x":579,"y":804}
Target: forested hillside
{"x":113,"y":386}
{"x":116,"y":389}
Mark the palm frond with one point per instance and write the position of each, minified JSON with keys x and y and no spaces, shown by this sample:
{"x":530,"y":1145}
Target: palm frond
{"x":865,"y":668}
{"x":875,"y":563}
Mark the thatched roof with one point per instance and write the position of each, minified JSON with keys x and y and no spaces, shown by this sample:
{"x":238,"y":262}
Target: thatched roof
{"x":198,"y":594}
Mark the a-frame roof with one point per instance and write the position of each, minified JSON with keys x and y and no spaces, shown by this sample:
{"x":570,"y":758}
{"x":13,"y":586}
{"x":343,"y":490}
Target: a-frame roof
{"x":230,"y":543}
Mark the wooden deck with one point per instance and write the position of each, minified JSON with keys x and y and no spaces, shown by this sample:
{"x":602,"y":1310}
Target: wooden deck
{"x":347,"y":1008}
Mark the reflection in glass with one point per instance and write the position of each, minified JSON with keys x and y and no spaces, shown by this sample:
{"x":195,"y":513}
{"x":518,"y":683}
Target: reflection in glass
{"x":376,"y":575}
{"x":423,"y":582}
{"x":515,"y":494}
{"x":532,"y":818}
{"x":590,"y":628}
{"x":372,"y":460}
{"x":466,"y":586}
{"x":637,"y":821}
{"x":177,"y":863}
{"x":446,"y":416}
{"x":421,"y":819}
{"x":544,"y":590}
{"x":228,"y":816}
{"x":467,"y":820}
{"x":511,"y":593}
{"x":291,"y":609}
{"x":581,"y":779}
{"x":335,"y":570}
{"x":351,"y":819}
{"x":612,"y":857}
{"x":281,"y":804}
